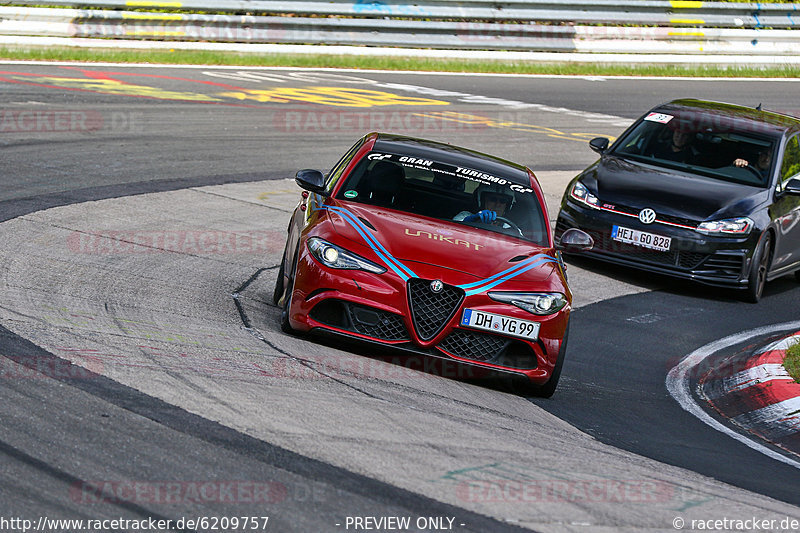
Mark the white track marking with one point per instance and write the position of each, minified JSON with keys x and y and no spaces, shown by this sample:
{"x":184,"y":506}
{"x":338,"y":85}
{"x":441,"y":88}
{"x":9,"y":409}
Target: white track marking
{"x":678,"y":385}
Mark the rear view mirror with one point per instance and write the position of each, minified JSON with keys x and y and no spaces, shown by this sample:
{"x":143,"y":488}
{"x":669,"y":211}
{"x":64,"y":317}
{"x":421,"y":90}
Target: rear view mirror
{"x":311,"y":180}
{"x":599,"y":144}
{"x":574,"y":240}
{"x":792,"y":186}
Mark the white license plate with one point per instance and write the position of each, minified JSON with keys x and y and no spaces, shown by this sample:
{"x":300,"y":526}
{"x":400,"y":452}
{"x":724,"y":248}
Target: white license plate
{"x":641,"y":238}
{"x":500,"y":324}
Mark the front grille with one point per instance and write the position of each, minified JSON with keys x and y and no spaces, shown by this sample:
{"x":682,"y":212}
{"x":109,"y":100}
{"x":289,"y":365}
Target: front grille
{"x":724,"y":264}
{"x":377,"y":323}
{"x":486,"y":348}
{"x":690,"y":259}
{"x":473,"y":345}
{"x":603,"y":241}
{"x":369,"y":321}
{"x":634,"y":213}
{"x":676,"y":259}
{"x":430,"y":311}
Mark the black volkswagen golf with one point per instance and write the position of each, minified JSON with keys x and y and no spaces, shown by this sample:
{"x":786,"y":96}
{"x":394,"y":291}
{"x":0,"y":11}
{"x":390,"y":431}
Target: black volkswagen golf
{"x":699,"y":190}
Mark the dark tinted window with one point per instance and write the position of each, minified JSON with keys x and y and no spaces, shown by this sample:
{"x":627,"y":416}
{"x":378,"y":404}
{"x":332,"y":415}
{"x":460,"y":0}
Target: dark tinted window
{"x":445,"y":192}
{"x":337,"y":170}
{"x":705,"y":145}
{"x":790,"y":166}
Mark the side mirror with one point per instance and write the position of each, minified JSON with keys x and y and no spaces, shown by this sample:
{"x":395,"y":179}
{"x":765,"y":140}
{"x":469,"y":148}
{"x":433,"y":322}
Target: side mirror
{"x":311,"y":180}
{"x":792,"y":186}
{"x":574,"y":240}
{"x":599,"y":144}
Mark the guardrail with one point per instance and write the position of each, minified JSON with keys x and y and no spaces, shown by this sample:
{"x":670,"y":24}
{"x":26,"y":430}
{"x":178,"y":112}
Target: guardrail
{"x":539,"y":25}
{"x":636,"y":12}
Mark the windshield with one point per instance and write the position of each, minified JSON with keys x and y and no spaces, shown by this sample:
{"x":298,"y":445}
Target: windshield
{"x":447,"y":192}
{"x":717,"y":151}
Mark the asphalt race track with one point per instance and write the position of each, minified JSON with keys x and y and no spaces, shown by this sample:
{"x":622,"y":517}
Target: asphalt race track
{"x":144,"y":375}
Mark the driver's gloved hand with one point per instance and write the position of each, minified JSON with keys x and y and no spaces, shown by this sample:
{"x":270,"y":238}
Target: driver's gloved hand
{"x":486,"y":216}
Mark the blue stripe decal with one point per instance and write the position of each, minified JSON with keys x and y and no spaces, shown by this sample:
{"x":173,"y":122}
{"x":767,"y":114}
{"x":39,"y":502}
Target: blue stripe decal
{"x":491,"y":278}
{"x":405,"y":273}
{"x":376,"y":246}
{"x":510,"y":276}
{"x":508,"y":271}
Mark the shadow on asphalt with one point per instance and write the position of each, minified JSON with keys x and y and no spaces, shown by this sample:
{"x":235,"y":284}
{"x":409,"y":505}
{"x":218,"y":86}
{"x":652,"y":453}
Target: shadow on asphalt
{"x":679,"y":287}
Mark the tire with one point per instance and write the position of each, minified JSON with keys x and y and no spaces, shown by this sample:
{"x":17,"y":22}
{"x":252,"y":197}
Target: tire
{"x":286,"y":327}
{"x":278,"y":292}
{"x":548,"y":389}
{"x":758,"y":271}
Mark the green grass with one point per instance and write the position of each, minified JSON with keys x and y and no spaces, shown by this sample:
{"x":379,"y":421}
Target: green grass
{"x":792,"y":361}
{"x":191,"y":57}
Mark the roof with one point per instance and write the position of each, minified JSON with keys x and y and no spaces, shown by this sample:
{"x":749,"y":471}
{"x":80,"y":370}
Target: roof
{"x":699,"y":114}
{"x":453,"y":155}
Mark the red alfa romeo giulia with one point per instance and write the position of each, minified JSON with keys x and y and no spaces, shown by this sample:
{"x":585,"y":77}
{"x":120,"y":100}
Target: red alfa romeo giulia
{"x":435,"y":249}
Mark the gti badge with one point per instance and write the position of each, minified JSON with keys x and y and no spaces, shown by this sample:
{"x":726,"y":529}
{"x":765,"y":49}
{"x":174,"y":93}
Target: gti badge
{"x":647,"y":216}
{"x":437,"y":286}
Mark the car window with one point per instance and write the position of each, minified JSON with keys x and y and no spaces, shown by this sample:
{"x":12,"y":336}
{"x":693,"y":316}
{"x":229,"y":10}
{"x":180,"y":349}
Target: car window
{"x":337,"y":170}
{"x":445,"y":192}
{"x":705,"y":147}
{"x":790,"y":166}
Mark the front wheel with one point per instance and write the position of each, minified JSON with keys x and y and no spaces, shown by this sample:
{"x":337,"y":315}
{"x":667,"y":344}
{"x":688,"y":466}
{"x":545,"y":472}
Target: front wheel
{"x":286,"y":327}
{"x":758,"y":271}
{"x":278,"y":292}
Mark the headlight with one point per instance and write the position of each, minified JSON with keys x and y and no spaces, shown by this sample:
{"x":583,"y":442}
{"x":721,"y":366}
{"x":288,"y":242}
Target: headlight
{"x":538,"y":303}
{"x":334,"y":256}
{"x":581,"y":193}
{"x":729,"y":226}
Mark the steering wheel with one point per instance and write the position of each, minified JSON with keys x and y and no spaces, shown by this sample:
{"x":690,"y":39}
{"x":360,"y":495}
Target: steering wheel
{"x":513,"y":226}
{"x":755,"y":171}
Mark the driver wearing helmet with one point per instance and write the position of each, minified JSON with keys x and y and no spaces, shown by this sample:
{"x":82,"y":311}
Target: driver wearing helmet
{"x":493,"y":201}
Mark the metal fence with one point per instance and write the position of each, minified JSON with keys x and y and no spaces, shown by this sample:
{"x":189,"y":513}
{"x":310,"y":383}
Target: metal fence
{"x":532,"y":25}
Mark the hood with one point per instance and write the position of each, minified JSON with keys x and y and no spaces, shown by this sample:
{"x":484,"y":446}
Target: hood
{"x":670,"y":192}
{"x":421,"y":243}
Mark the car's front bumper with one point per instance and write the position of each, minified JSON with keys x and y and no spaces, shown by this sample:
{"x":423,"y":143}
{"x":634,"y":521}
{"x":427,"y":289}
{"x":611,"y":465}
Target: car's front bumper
{"x":711,"y":260}
{"x":375,"y":308}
